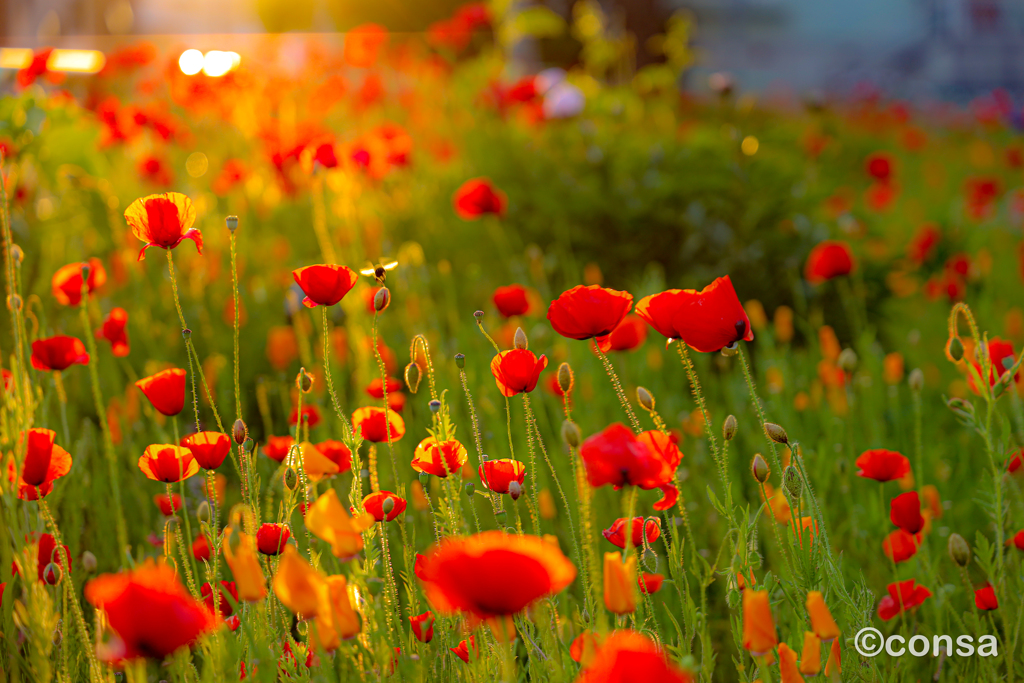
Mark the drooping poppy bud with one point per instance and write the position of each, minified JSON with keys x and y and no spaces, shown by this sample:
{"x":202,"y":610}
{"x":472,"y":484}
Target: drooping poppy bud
{"x":959,"y":551}
{"x":759,"y":468}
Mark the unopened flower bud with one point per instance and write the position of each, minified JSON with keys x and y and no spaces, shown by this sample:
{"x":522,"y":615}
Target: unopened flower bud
{"x":959,"y":551}
{"x":515,"y":490}
{"x":916,"y":379}
{"x":955,"y":349}
{"x":759,"y":468}
{"x":435,"y":406}
{"x":304,"y":381}
{"x":89,"y":562}
{"x":203,"y":512}
{"x":291,"y":479}
{"x":571,"y":434}
{"x":186,"y":334}
{"x":58,"y":635}
{"x":565,"y":378}
{"x":478,"y":314}
{"x":847,"y":360}
{"x":232,"y":223}
{"x":775,"y":433}
{"x":460,"y":360}
{"x":248,"y":444}
{"x":381,"y":299}
{"x":52,"y":574}
{"x":520,"y":341}
{"x":388,"y":505}
{"x":729,"y":428}
{"x":500,"y":516}
{"x":17,"y":254}
{"x":424,"y":478}
{"x":413,"y":377}
{"x":791,"y":480}
{"x":469,"y":488}
{"x":645,"y":399}
{"x":239,"y":431}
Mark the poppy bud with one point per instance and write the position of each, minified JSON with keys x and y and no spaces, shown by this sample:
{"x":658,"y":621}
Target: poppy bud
{"x":469,"y":488}
{"x":519,"y":340}
{"x":304,"y":381}
{"x":916,"y":379}
{"x":515,"y":490}
{"x":460,"y":360}
{"x":731,"y":349}
{"x":388,"y":505}
{"x":645,"y":399}
{"x":424,"y":478}
{"x":248,"y":444}
{"x":239,"y":432}
{"x":478,"y":314}
{"x":52,"y":574}
{"x":791,"y":480}
{"x":759,"y":468}
{"x":14,"y":302}
{"x":17,"y":254}
{"x":571,"y":434}
{"x":959,"y":551}
{"x":500,"y":516}
{"x":775,"y":433}
{"x":729,"y":428}
{"x":186,"y":334}
{"x":85,"y":273}
{"x":88,"y":562}
{"x":203,"y":512}
{"x":232,"y":223}
{"x":413,"y":377}
{"x":58,"y":635}
{"x":565,"y":378}
{"x":847,"y":360}
{"x":291,"y":479}
{"x":955,"y":349}
{"x":381,"y":299}
{"x":435,"y":406}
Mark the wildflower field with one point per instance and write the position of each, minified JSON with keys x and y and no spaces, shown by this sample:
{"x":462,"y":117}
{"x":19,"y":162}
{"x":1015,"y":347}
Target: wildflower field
{"x":381,"y":357}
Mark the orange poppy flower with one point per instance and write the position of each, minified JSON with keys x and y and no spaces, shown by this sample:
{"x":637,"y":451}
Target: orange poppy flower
{"x":328,"y":520}
{"x":58,"y":353}
{"x":278,"y":447}
{"x":114,"y":330}
{"x":810,"y":657}
{"x":833,"y":666}
{"x":324,"y":285}
{"x":208,"y":448}
{"x":498,"y":474}
{"x":423,"y":626}
{"x":165,"y":390}
{"x":584,"y":648}
{"x":374,"y":504}
{"x":163,"y":220}
{"x":439,"y":458}
{"x":788,"y":671}
{"x":511,"y":300}
{"x":706,"y":320}
{"x":629,"y":334}
{"x":517,"y":371}
{"x":477,"y":197}
{"x":66,"y":284}
{"x":616,"y":533}
{"x":631,"y":656}
{"x":618,"y":457}
{"x":619,"y":577}
{"x":336,"y":452}
{"x":590,"y":311}
{"x":371,"y":422}
{"x":822,"y":623}
{"x":882,"y":465}
{"x":150,"y":612}
{"x":168,"y":505}
{"x":758,"y":625}
{"x":829,"y":259}
{"x":45,"y":461}
{"x":363,"y":44}
{"x":168,"y":463}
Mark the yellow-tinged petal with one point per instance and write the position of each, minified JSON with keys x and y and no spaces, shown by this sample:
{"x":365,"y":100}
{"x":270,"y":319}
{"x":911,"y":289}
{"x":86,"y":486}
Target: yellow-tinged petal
{"x":822,"y":623}
{"x":299,"y":586}
{"x":810,"y":658}
{"x":345,"y":622}
{"x":240,"y":554}
{"x":328,"y":520}
{"x":315,"y":463}
{"x":619,"y":582}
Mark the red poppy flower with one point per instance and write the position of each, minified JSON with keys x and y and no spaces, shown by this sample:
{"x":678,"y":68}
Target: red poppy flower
{"x":618,"y":457}
{"x":336,"y":452}
{"x":45,"y":461}
{"x":201,"y":549}
{"x":376,"y":387}
{"x":616,"y":533}
{"x":227,"y":588}
{"x":165,"y":390}
{"x":492,"y":574}
{"x":115,"y":331}
{"x":906,"y":593}
{"x":310,"y":416}
{"x":590,"y":311}
{"x":631,"y":656}
{"x":1002,"y":357}
{"x":879,"y":166}
{"x":706,"y":321}
{"x":477,"y":197}
{"x":374,"y":504}
{"x":629,"y":334}
{"x":58,"y":353}
{"x":168,"y":505}
{"x":650,"y":583}
{"x":324,"y":285}
{"x":208,"y":448}
{"x":985,"y":598}
{"x":1017,"y":540}
{"x":462,"y":651}
{"x":163,"y":220}
{"x":168,"y":463}
{"x":271,"y":538}
{"x":899,"y":546}
{"x":152,"y":614}
{"x":423,"y":626}
{"x":439,"y":458}
{"x":829,"y":259}
{"x":47,"y":552}
{"x":924,"y":242}
{"x":517,"y":371}
{"x":498,"y":474}
{"x":67,"y":281}
{"x":905,"y":512}
{"x":882,"y":465}
{"x":511,"y":300}
{"x":372,"y":423}
{"x":277,"y":447}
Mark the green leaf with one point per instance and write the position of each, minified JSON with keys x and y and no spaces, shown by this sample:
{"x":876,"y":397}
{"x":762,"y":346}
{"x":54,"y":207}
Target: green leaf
{"x":538,"y":22}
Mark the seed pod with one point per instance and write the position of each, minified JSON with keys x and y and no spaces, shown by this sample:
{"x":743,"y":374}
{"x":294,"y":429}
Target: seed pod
{"x":239,"y":432}
{"x":565,"y":378}
{"x":729,"y":428}
{"x":203,"y":512}
{"x":304,"y":381}
{"x":775,"y":433}
{"x":520,"y":341}
{"x":955,"y":349}
{"x":424,"y":479}
{"x":847,"y":360}
{"x":469,"y":488}
{"x":959,"y":551}
{"x":85,"y":274}
{"x":186,"y":334}
{"x":248,"y":444}
{"x":916,"y":379}
{"x":791,"y":480}
{"x":413,"y":377}
{"x":645,"y":399}
{"x":460,"y":360}
{"x":232,"y":223}
{"x":52,"y":574}
{"x":388,"y":505}
{"x":571,"y":434}
{"x":381,"y":299}
{"x":291,"y":479}
{"x":478,"y":314}
{"x":435,"y":405}
{"x":759,"y":468}
{"x":89,"y":562}
{"x":515,"y":490}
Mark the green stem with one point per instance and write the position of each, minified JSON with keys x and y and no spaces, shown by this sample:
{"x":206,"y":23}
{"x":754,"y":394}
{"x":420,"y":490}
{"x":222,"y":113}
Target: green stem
{"x":617,"y":385}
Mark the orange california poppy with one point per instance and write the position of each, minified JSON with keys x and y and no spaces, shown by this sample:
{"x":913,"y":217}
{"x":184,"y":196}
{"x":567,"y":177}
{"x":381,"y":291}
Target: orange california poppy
{"x":58,"y":353}
{"x":498,"y":474}
{"x":324,"y":285}
{"x":631,"y":656}
{"x":328,"y":520}
{"x":517,"y":371}
{"x":115,"y":331}
{"x":706,"y":320}
{"x":150,"y":612}
{"x":758,"y":624}
{"x":788,"y":670}
{"x":810,"y":657}
{"x":371,"y":422}
{"x":439,"y":458}
{"x":168,"y":463}
{"x":163,"y":220}
{"x":208,"y":448}
{"x":590,"y":311}
{"x":822,"y":623}
{"x":375,"y":502}
{"x":44,"y":462}
{"x":165,"y":390}
{"x":66,"y":284}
